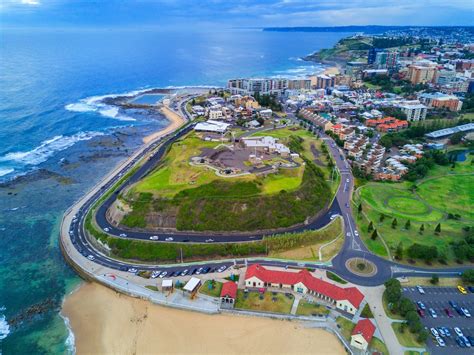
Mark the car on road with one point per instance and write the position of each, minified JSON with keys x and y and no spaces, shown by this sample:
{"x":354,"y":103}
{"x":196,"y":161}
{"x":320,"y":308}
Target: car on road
{"x":448,"y":313}
{"x":348,"y":234}
{"x":209,"y":240}
{"x":123,"y":235}
{"x":154,"y":237}
{"x":440,"y":342}
{"x":356,"y":233}
{"x":169,"y":239}
{"x":433,"y":313}
{"x":335,"y":215}
{"x":434,"y":332}
{"x":347,"y":180}
{"x":458,"y":331}
{"x":90,"y":257}
{"x":420,"y":290}
{"x":421,"y":305}
{"x":466,"y":312}
{"x":184,"y":272}
{"x":106,"y":229}
{"x":132,"y":270}
{"x":462,"y":290}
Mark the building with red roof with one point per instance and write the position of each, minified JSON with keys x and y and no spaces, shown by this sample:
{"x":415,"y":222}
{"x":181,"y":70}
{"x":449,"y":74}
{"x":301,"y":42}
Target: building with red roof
{"x":229,"y":293}
{"x":362,"y":334}
{"x":346,"y":299}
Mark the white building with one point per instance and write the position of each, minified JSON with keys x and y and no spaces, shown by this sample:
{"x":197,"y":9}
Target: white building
{"x":416,"y":112}
{"x":211,"y":126}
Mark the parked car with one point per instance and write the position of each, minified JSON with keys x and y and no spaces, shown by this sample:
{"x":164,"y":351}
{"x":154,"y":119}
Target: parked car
{"x":421,"y":313}
{"x":447,"y":331}
{"x":440,"y":342}
{"x":448,"y":313}
{"x":420,"y":290}
{"x":206,"y":270}
{"x":199,"y":271}
{"x":132,"y":270}
{"x":453,"y":304}
{"x":459,"y":310}
{"x":458,"y":331}
{"x":466,"y":312}
{"x":163,"y":274}
{"x":462,"y":290}
{"x":466,"y":341}
{"x":471,"y":289}
{"x":155,"y":274}
{"x":433,"y":313}
{"x":421,"y":305}
{"x":90,"y":257}
{"x":441,"y":332}
{"x":184,"y":272}
{"x":154,"y":237}
{"x":434,"y":332}
{"x":222,"y":268}
{"x":460,"y":342}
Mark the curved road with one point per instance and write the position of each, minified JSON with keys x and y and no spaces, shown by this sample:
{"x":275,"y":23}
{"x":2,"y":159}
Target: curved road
{"x":353,"y":246}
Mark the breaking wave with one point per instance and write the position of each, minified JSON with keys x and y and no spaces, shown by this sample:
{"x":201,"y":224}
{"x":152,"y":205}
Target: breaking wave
{"x":4,"y":327}
{"x":46,"y":149}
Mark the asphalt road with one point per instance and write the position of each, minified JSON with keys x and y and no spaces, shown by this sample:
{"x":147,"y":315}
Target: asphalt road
{"x":353,"y":246}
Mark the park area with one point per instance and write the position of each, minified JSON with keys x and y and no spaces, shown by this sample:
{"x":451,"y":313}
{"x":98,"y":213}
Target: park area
{"x":433,"y":212}
{"x":183,"y":195}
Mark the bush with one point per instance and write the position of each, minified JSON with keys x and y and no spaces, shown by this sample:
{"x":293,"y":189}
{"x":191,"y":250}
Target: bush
{"x":468,"y":276}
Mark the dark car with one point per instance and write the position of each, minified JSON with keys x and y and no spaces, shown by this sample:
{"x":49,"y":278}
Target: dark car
{"x":459,"y":310}
{"x":460,"y":342}
{"x":448,"y":312}
{"x":421,"y":313}
{"x":453,"y":304}
{"x":206,"y":270}
{"x":471,"y":289}
{"x":194,"y":271}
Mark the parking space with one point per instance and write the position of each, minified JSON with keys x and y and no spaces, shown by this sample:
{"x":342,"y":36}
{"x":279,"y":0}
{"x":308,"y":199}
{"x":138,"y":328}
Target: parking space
{"x":439,"y":313}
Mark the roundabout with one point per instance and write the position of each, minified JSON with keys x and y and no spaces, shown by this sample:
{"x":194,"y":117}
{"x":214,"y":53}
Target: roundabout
{"x":361,"y":267}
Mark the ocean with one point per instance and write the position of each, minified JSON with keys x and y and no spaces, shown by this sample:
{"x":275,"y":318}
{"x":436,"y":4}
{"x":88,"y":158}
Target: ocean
{"x":57,"y":139}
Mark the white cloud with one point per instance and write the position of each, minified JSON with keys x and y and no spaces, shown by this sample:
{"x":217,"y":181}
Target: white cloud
{"x":30,"y":2}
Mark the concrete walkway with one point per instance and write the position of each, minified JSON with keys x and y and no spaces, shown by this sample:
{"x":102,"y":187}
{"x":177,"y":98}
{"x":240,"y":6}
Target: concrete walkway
{"x":373,"y":296}
{"x":296,"y":302}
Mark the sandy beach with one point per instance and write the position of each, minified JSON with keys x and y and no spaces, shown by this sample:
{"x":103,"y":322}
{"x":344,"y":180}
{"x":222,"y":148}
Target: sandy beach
{"x":176,"y":121}
{"x":331,"y":71}
{"x":106,"y":322}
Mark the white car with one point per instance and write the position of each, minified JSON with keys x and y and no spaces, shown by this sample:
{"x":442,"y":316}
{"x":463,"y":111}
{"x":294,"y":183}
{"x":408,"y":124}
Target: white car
{"x":169,"y":239}
{"x":420,"y":290}
{"x":434,"y":332}
{"x":347,"y":180}
{"x":209,"y":240}
{"x":348,"y":234}
{"x":440,"y":341}
{"x":466,"y":312}
{"x":106,"y":229}
{"x":90,"y":257}
{"x":433,"y":313}
{"x":155,"y":274}
{"x":356,"y":233}
{"x":163,"y":274}
{"x":123,"y":235}
{"x":222,"y":268}
{"x":132,"y":270}
{"x":154,"y":237}
{"x":333,"y":216}
{"x":458,"y":331}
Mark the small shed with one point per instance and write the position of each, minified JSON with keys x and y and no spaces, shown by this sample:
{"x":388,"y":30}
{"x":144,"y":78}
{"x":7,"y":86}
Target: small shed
{"x":167,"y":285}
{"x":228,"y":293}
{"x":192,"y":286}
{"x":362,"y":334}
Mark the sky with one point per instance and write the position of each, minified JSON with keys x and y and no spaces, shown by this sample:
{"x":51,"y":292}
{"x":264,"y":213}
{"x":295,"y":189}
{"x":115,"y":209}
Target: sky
{"x":231,"y":13}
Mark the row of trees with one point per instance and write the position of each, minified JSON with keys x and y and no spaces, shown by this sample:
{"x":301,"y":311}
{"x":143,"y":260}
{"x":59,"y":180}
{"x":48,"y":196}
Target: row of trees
{"x":404,"y":307}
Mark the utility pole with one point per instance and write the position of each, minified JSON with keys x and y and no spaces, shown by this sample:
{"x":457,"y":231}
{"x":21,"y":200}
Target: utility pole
{"x":181,"y":250}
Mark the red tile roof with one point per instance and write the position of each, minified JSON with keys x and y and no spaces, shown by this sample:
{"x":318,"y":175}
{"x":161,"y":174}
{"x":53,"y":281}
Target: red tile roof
{"x":365,"y":328}
{"x":351,"y":294}
{"x":229,"y":289}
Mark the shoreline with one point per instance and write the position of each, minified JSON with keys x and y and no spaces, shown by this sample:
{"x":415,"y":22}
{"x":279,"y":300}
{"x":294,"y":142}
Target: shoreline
{"x":105,"y":321}
{"x":176,"y":121}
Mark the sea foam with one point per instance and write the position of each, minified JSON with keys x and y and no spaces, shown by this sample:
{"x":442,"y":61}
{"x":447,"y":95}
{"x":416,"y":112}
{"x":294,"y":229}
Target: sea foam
{"x":47,"y":148}
{"x":4,"y":327}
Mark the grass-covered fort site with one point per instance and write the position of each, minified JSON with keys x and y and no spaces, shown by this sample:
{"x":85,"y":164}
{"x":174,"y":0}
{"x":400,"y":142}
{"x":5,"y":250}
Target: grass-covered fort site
{"x":225,"y":185}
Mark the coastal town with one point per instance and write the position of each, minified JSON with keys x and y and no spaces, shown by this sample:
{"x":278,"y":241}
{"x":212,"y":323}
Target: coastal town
{"x":382,"y":120}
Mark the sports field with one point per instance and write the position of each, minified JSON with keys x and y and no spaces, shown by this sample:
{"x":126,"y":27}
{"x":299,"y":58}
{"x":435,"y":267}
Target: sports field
{"x":445,"y":196}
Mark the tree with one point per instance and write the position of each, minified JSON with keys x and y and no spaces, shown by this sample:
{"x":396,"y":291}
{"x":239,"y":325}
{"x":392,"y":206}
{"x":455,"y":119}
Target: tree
{"x":394,"y":223}
{"x":438,"y":228}
{"x":374,"y":235}
{"x":370,"y":228}
{"x":382,"y":217}
{"x":193,"y":102}
{"x":434,"y":279}
{"x":468,"y":276}
{"x":399,"y":251}
{"x":422,"y":228}
{"x":359,"y":209}
{"x":393,"y":294}
{"x":407,"y":225}
{"x":422,"y":336}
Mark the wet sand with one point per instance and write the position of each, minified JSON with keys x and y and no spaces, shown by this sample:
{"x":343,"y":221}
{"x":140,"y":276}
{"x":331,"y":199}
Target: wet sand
{"x":331,"y":71}
{"x":105,"y":322}
{"x":176,"y":121}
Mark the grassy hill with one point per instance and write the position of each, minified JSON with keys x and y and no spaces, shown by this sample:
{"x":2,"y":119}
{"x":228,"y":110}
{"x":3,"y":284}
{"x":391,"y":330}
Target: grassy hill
{"x":191,"y":197}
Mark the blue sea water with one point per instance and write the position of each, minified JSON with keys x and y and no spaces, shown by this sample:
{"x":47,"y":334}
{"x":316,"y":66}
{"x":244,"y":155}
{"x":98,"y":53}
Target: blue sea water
{"x":57,"y":140}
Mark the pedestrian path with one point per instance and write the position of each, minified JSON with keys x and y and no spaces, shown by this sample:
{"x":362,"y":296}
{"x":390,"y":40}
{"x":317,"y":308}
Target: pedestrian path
{"x":295,"y":304}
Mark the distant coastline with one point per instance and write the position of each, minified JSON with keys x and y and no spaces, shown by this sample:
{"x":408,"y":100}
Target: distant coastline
{"x":369,"y":29}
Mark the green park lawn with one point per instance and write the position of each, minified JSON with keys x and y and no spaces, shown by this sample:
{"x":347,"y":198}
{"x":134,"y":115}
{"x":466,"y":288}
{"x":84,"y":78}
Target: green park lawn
{"x":275,"y":302}
{"x":443,"y":191}
{"x":406,"y":338}
{"x":211,"y":290}
{"x":309,"y":309}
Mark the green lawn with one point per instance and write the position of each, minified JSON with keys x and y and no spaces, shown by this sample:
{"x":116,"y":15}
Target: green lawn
{"x":276,"y":303}
{"x":311,"y":309}
{"x":406,"y":338}
{"x":334,"y":277}
{"x":377,"y":345}
{"x":346,"y":327}
{"x":366,"y":312}
{"x":208,"y":289}
{"x":444,"y":190}
{"x":387,"y":310}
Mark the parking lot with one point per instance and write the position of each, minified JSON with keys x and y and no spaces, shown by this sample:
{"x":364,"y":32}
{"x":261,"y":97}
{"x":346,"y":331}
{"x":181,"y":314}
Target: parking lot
{"x":438,"y":299}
